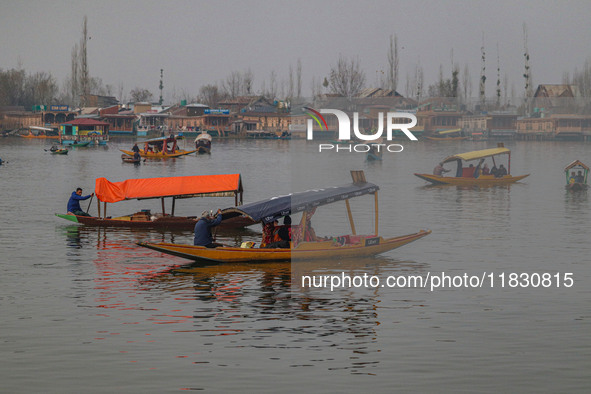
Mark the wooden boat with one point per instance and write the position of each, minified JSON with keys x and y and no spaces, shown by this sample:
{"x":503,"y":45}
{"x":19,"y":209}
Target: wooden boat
{"x":578,"y":181}
{"x":203,"y":143}
{"x":447,"y":135}
{"x":225,"y":185}
{"x":61,"y":151}
{"x":157,"y":148}
{"x":472,"y":175}
{"x":39,"y":132}
{"x":267,"y":211}
{"x":130,"y":159}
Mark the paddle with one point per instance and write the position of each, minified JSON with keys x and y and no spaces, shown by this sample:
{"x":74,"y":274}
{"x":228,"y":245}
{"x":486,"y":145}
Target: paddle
{"x":91,"y":197}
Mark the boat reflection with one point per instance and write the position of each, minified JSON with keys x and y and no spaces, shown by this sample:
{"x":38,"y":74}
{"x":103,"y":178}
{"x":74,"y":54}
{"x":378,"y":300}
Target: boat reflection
{"x":240,"y":301}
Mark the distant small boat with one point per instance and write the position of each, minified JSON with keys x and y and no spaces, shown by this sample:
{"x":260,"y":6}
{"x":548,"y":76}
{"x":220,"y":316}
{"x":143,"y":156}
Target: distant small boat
{"x":576,"y":182}
{"x":203,"y":143}
{"x":62,"y":151}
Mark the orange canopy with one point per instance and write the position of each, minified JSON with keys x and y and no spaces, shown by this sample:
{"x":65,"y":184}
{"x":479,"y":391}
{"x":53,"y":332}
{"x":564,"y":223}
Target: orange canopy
{"x":179,"y":187}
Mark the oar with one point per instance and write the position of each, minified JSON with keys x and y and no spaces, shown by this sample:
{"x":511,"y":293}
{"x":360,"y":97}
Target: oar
{"x":91,"y":197}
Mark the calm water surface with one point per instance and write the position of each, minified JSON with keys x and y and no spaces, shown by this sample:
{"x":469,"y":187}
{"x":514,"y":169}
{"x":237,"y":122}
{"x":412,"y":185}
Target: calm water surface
{"x":86,"y":310}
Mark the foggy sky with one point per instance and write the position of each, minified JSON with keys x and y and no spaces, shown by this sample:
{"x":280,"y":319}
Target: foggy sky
{"x":201,"y":42}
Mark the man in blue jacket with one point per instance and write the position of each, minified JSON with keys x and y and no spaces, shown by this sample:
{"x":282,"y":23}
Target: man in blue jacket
{"x":74,"y":202}
{"x":203,"y":227}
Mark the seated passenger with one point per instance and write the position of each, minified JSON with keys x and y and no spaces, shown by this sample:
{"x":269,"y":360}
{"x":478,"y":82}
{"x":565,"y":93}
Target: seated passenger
{"x":282,"y":234}
{"x":485,"y":169}
{"x":501,"y":172}
{"x":579,"y":178}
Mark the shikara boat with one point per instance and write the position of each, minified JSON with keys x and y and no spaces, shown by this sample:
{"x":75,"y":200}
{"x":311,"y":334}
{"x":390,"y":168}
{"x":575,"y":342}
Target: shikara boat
{"x":58,"y":151}
{"x":39,"y":132}
{"x":447,"y":135}
{"x":473,"y":175}
{"x":267,"y":211}
{"x":158,"y":148}
{"x":203,"y":143}
{"x":225,"y":185}
{"x":576,"y":181}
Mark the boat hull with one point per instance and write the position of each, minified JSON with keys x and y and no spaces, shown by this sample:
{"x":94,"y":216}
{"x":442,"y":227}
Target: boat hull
{"x":166,"y":222}
{"x":576,"y":187}
{"x":151,"y":155}
{"x":305,"y":251}
{"x":461,"y":181}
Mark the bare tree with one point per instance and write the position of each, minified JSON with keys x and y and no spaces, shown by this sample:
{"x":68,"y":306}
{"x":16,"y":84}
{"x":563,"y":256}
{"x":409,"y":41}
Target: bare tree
{"x":210,"y":95}
{"x":233,"y":84}
{"x":273,"y":85}
{"x":84,"y":74}
{"x":291,"y":85}
{"x":74,"y":77}
{"x":247,"y":82}
{"x":299,"y":79}
{"x":140,"y":95}
{"x":43,"y":89}
{"x":346,"y":78}
{"x":393,"y":63}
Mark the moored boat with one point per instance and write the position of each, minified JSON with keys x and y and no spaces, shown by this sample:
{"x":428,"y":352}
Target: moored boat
{"x":576,"y":181}
{"x":304,"y":243}
{"x":225,"y":185}
{"x":448,"y":135}
{"x":479,"y":174}
{"x":38,"y":132}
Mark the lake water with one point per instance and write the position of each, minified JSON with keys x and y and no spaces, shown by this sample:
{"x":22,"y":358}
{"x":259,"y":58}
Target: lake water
{"x":86,"y":310}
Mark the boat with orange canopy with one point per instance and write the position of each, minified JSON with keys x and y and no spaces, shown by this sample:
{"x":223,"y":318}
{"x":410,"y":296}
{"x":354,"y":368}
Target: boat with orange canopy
{"x":224,"y":185}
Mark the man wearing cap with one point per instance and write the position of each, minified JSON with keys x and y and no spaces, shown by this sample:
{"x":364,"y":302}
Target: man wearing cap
{"x":203,"y":227}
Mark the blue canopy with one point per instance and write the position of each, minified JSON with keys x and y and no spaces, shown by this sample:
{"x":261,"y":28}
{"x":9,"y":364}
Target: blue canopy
{"x":268,"y":210}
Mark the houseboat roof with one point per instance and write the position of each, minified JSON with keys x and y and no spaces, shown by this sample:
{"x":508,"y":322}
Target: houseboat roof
{"x":85,"y":122}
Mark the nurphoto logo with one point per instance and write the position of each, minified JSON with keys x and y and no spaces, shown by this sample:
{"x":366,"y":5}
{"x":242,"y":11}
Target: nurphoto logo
{"x":392,"y":120}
